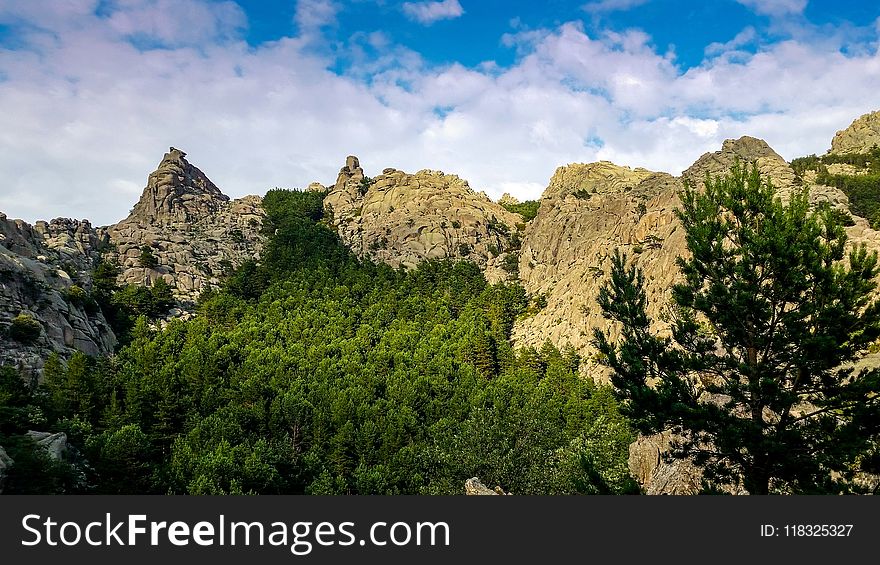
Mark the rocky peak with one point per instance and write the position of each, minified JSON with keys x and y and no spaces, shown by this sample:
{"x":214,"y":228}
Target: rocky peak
{"x":746,"y":149}
{"x":508,"y":199}
{"x":402,"y":218}
{"x":352,"y":171}
{"x":177,"y":192}
{"x":193,"y":231}
{"x":583,"y":180}
{"x":859,"y":137}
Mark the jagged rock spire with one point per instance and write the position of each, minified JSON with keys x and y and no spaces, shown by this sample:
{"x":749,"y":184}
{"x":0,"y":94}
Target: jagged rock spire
{"x":177,"y":192}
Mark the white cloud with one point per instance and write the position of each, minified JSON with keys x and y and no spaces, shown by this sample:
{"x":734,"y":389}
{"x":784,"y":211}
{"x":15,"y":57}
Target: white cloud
{"x":743,"y":38}
{"x":429,"y":12}
{"x":93,"y":114}
{"x":311,"y":15}
{"x":605,"y":6}
{"x":775,"y":7}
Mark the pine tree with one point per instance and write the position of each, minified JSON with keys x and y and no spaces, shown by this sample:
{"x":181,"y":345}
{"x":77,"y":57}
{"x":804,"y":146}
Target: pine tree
{"x":755,"y":378}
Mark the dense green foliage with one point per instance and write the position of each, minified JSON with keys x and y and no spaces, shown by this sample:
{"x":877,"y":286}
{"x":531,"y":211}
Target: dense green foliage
{"x":862,"y":190}
{"x":122,"y":305}
{"x":755,"y":379}
{"x":314,"y":372}
{"x":528,"y":209}
{"x":147,"y":259}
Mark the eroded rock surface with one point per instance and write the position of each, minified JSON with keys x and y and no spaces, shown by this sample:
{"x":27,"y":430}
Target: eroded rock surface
{"x":193,"y":230}
{"x":860,"y":137}
{"x":402,"y":219}
{"x":45,"y":271}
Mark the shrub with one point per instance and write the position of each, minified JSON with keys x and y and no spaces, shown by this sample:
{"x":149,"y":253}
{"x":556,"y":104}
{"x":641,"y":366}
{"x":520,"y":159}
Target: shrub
{"x":25,"y":329}
{"x":147,"y":259}
{"x":527,"y":210}
{"x":510,"y":263}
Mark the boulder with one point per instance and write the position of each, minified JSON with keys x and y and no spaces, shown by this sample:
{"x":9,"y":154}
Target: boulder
{"x":475,"y":487}
{"x":54,"y":444}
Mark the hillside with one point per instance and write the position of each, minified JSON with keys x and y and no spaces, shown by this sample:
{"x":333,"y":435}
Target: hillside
{"x":396,"y":334}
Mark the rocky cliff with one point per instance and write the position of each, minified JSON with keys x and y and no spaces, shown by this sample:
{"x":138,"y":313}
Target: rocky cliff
{"x":44,"y":282}
{"x":588,"y":210}
{"x":859,"y":137}
{"x":402,"y":219}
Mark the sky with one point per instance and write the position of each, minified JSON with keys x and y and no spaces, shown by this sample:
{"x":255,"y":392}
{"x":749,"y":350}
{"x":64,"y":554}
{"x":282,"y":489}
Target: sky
{"x":263,"y":94}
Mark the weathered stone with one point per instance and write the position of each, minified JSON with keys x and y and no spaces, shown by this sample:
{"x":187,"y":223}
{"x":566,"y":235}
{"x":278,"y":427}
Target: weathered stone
{"x":402,"y":219}
{"x":860,"y":137}
{"x":475,"y":487}
{"x":192,"y":228}
{"x":54,"y":444}
{"x":35,"y":279}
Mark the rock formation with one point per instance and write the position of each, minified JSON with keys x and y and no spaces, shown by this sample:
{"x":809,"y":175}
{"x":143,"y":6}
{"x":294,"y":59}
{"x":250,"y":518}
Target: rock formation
{"x":55,"y":445}
{"x":475,"y":487}
{"x":588,"y":210}
{"x":402,"y":219}
{"x":192,"y":229}
{"x":656,"y":475}
{"x":859,"y":137}
{"x":194,"y":232}
{"x":44,"y":271}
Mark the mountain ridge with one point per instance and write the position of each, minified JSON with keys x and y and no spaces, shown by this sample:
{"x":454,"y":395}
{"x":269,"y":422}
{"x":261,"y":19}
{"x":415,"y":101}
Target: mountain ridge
{"x":185,"y":231}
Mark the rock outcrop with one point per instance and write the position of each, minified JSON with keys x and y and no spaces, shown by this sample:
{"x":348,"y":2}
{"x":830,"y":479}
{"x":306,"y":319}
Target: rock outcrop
{"x":402,"y":219}
{"x":588,"y":210}
{"x":194,"y":232}
{"x":475,"y":487}
{"x":654,"y":474}
{"x":860,"y":137}
{"x":44,"y":279}
{"x":55,"y":445}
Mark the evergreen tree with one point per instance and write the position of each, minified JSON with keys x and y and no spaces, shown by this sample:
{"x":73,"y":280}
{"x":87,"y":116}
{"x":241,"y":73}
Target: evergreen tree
{"x":755,"y":378}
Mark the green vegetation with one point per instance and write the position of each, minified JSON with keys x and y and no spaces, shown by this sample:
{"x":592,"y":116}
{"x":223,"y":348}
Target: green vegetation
{"x":121,"y":305}
{"x":528,"y":209}
{"x":25,"y":329}
{"x":862,"y":190}
{"x":315,"y":372}
{"x":754,"y":379}
{"x":510,"y":263}
{"x":147,"y":259}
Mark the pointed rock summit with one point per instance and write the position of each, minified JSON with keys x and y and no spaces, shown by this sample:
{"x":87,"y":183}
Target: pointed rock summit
{"x":177,"y":192}
{"x":193,"y":232}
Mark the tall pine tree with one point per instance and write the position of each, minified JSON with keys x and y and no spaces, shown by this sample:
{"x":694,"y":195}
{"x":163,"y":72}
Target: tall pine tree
{"x":756,"y":379}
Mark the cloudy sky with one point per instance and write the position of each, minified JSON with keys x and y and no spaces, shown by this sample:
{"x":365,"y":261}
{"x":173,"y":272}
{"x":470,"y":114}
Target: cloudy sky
{"x":263,"y":94}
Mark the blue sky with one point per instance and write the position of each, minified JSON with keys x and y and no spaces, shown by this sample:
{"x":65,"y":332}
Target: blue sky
{"x":263,"y":94}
